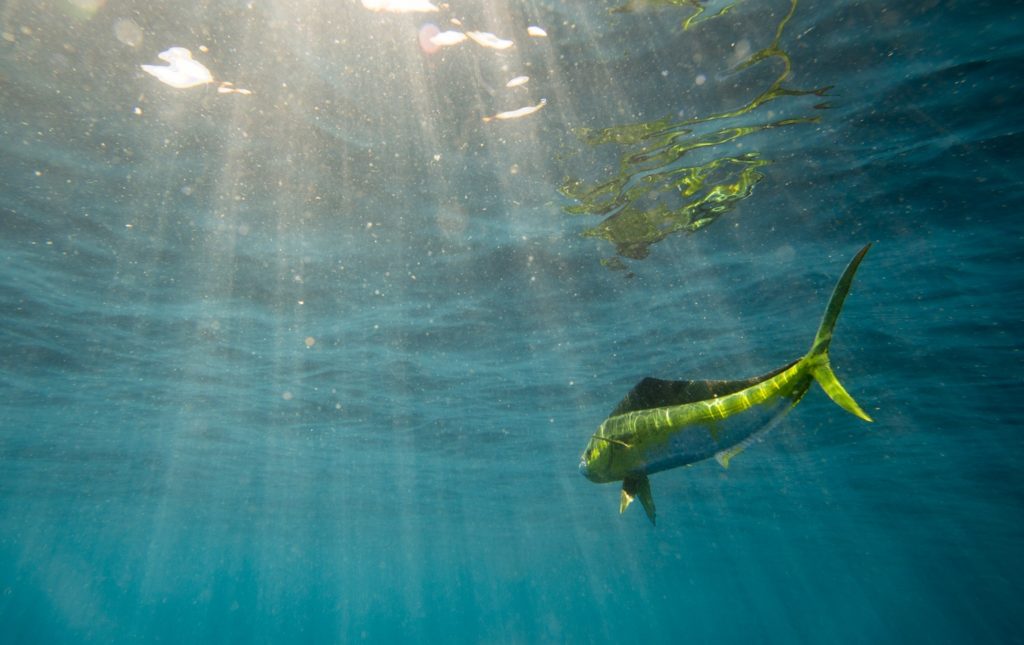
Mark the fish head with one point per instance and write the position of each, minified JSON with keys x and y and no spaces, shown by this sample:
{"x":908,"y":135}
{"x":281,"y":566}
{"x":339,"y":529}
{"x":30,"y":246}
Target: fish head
{"x":596,"y":460}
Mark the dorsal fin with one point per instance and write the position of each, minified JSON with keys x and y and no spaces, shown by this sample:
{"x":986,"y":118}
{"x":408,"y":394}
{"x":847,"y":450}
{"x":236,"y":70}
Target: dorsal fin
{"x":657,"y":393}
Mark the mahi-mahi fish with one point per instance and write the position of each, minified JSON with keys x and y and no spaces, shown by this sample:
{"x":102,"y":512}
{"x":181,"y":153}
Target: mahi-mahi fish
{"x":666,"y":424}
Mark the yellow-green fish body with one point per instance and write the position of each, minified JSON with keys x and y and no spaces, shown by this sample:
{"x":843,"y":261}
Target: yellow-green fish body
{"x":666,"y":424}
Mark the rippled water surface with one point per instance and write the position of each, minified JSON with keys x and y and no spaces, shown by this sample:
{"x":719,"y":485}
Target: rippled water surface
{"x":308,"y":351}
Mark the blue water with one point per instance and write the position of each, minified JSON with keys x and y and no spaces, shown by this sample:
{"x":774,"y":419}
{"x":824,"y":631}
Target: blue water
{"x":316,"y":364}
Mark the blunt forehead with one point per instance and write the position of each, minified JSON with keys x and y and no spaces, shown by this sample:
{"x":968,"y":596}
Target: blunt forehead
{"x":589,"y":448}
{"x":593,"y":449}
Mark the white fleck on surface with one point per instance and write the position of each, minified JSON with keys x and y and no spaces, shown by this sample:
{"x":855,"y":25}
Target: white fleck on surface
{"x":448,"y":38}
{"x":400,"y":6}
{"x":516,"y":114}
{"x":181,"y":71}
{"x":489,"y":40}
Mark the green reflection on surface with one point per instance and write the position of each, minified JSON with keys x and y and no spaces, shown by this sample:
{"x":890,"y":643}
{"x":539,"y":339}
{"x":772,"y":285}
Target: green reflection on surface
{"x":714,"y":189}
{"x":657,"y":190}
{"x":699,"y":7}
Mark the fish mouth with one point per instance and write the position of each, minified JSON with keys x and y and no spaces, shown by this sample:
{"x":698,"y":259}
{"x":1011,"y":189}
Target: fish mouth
{"x":588,"y":473}
{"x":583,"y":468}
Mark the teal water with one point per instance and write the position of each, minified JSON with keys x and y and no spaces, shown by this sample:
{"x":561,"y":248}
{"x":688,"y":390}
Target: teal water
{"x":316,"y":363}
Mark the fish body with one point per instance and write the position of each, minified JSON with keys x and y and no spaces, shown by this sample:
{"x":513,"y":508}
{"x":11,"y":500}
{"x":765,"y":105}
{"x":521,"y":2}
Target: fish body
{"x":666,"y":424}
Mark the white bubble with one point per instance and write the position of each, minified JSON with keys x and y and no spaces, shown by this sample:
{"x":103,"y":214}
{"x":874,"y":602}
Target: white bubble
{"x":426,"y":33}
{"x":128,"y":32}
{"x":89,"y":7}
{"x":741,"y":50}
{"x":400,"y":6}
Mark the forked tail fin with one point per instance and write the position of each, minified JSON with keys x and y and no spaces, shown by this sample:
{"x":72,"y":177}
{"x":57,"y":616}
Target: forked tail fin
{"x":818,"y":356}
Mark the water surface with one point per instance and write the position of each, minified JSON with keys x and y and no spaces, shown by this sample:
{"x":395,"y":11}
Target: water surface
{"x":316,"y":363}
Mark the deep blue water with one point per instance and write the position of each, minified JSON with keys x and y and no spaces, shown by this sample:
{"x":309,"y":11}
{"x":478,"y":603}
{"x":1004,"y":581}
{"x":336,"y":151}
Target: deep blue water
{"x":316,"y":364}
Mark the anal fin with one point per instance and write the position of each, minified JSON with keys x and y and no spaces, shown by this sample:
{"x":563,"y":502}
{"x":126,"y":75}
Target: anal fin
{"x":724,"y":456}
{"x":635,"y":486}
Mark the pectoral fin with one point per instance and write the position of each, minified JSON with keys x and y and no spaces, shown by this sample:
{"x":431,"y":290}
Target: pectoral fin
{"x":637,"y":486}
